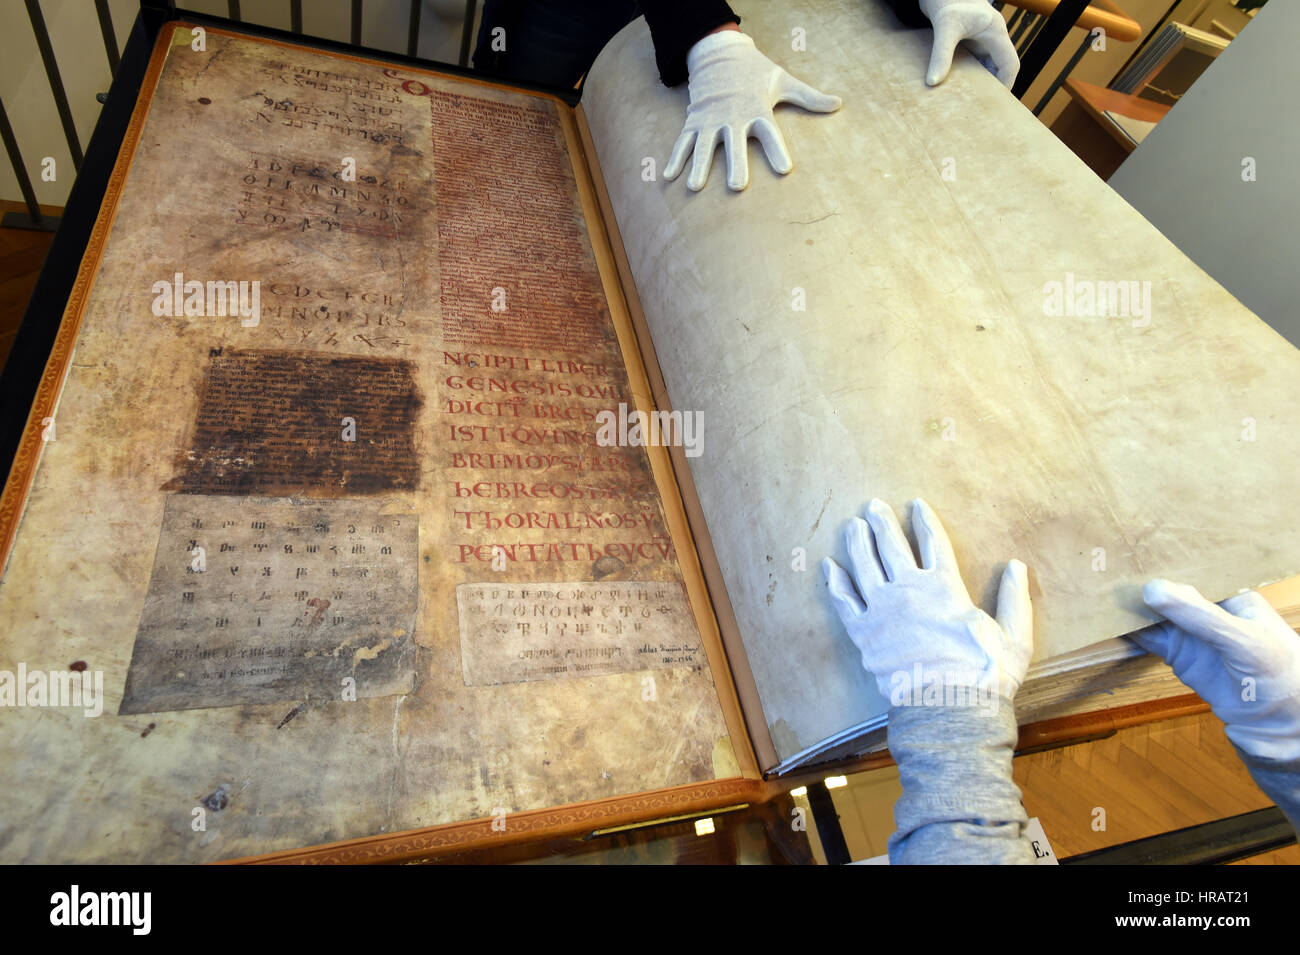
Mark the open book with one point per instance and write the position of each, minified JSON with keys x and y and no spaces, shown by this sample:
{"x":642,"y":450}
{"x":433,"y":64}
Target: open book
{"x":334,"y":476}
{"x":942,"y":302}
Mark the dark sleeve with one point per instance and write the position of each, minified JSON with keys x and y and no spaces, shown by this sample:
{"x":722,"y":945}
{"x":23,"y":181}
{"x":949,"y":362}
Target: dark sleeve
{"x":676,"y":25}
{"x":1280,"y":781}
{"x":909,"y":12}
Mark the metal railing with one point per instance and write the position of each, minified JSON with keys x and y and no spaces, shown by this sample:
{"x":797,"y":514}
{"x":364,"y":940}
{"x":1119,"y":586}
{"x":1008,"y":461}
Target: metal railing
{"x":1038,"y":35}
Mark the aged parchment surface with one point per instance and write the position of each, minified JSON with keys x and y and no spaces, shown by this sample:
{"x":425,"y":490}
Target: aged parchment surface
{"x":877,"y":324}
{"x":456,"y":259}
{"x":512,"y":634}
{"x":257,"y":600}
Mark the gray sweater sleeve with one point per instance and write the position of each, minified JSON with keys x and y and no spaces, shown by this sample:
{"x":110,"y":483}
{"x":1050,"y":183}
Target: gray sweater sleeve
{"x":1280,"y":782}
{"x":959,"y":803}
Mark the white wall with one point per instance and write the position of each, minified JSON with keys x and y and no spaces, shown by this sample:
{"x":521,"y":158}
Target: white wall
{"x":1186,"y":177}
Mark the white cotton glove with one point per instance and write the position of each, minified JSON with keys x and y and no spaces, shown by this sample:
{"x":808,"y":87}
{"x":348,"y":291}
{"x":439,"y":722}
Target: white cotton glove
{"x":984,"y":31}
{"x":900,"y":615}
{"x":733,"y":90}
{"x":1240,"y":657}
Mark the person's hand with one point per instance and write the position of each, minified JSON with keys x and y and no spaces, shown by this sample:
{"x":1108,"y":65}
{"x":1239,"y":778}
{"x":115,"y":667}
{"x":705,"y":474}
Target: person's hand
{"x":733,"y":90}
{"x":984,"y":31}
{"x":1239,"y":656}
{"x":901,"y":616}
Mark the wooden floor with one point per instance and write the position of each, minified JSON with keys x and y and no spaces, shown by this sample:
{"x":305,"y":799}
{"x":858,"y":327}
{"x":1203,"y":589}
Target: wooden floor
{"x":1147,"y":779}
{"x":22,"y":253}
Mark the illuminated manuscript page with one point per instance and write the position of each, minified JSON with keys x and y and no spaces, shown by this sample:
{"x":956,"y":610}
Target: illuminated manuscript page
{"x":876,"y":324}
{"x":354,"y":563}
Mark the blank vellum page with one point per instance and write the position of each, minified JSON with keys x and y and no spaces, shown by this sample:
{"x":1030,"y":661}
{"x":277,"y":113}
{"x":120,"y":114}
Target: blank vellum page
{"x":922,"y":227}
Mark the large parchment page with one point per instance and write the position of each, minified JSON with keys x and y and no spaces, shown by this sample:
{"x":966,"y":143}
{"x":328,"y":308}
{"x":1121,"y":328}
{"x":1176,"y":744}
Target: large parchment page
{"x":939,"y":301}
{"x":350,"y":562}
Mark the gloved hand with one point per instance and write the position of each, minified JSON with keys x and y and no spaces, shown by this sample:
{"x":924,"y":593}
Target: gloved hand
{"x":984,"y":31}
{"x":733,"y":90}
{"x":1240,"y":657}
{"x":900,"y":615}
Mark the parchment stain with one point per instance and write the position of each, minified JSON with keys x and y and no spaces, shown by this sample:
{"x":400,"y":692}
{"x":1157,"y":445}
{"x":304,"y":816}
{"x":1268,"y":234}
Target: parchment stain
{"x":319,"y":605}
{"x":605,"y":566}
{"x":216,"y":55}
{"x":361,"y":654}
{"x":811,"y":221}
{"x":271,"y":423}
{"x":783,"y":738}
{"x":290,"y":715}
{"x":218,"y":799}
{"x":820,"y":515}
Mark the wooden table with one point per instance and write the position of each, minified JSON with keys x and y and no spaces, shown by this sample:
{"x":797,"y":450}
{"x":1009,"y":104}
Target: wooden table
{"x":1084,"y":126}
